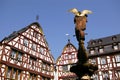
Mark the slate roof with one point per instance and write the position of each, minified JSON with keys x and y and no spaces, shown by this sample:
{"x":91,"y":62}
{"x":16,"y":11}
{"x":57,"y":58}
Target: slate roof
{"x":16,"y":33}
{"x":104,"y":41}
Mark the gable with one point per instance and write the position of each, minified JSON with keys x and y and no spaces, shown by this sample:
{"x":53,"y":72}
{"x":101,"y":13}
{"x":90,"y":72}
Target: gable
{"x":68,"y":56}
{"x":30,"y":40}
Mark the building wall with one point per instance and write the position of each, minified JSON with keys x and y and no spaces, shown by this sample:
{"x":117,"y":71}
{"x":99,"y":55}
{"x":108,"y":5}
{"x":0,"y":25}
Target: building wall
{"x":65,"y":61}
{"x":25,"y":55}
{"x":105,"y":52}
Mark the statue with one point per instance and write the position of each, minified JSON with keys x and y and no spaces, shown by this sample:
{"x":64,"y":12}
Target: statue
{"x":80,"y":20}
{"x":83,"y":67}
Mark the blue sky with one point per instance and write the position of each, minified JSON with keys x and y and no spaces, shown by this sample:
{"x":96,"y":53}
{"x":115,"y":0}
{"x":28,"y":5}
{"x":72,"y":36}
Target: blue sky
{"x":56,"y":21}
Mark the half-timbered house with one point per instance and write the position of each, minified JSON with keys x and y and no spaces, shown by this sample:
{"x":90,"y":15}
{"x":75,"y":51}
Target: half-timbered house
{"x":105,"y":52}
{"x":25,"y":55}
{"x":65,"y":61}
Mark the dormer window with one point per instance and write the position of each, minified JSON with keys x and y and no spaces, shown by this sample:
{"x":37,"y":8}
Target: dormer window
{"x":92,"y":51}
{"x":93,"y":43}
{"x":101,"y":50}
{"x":115,"y":46}
{"x":114,"y":38}
{"x":100,"y":41}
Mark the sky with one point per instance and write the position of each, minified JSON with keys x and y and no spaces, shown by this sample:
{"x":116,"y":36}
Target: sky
{"x":56,"y":21}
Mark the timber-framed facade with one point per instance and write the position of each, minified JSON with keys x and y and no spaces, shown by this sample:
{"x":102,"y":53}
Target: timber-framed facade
{"x":105,"y":52}
{"x":25,"y":55}
{"x":65,"y":61}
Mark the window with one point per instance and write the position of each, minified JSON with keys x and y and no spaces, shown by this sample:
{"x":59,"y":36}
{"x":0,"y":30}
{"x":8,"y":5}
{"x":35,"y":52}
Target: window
{"x":16,"y":56}
{"x":14,"y":73}
{"x":65,"y":56}
{"x":115,"y":47}
{"x":46,"y":66}
{"x":13,"y":54}
{"x":60,"y":68}
{"x":95,"y":77}
{"x":32,"y":62}
{"x":9,"y":72}
{"x":93,"y":43}
{"x":92,"y":51}
{"x":35,"y":34}
{"x":99,"y":41}
{"x":114,"y":38}
{"x":103,"y":61}
{"x":41,"y":50}
{"x":19,"y":56}
{"x":25,"y":42}
{"x":34,"y":47}
{"x":101,"y":50}
{"x":19,"y":75}
{"x":32,"y":77}
{"x":93,"y":61}
{"x":65,"y":68}
{"x":117,"y":58}
{"x":105,"y":76}
{"x":72,"y":56}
